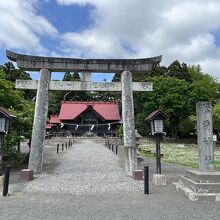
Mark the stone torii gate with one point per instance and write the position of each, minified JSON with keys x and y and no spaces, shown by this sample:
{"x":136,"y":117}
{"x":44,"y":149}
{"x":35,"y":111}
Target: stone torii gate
{"x":46,"y":65}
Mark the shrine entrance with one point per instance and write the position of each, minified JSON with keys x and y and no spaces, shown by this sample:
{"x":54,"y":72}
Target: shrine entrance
{"x":46,"y":65}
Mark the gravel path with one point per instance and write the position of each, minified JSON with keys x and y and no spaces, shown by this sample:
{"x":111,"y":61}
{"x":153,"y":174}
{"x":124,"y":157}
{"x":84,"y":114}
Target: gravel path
{"x":86,"y":168}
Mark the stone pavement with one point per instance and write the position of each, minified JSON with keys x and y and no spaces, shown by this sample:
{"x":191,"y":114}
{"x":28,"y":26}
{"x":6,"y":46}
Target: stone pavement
{"x":87,"y":181}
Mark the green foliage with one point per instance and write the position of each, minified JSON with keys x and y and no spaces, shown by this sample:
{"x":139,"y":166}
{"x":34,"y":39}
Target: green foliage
{"x":177,"y":89}
{"x":179,"y":71}
{"x":19,"y":103}
{"x":202,"y":88}
{"x":68,"y":76}
{"x":216,"y":118}
{"x":120,"y":131}
{"x":187,"y":126}
{"x":11,"y":73}
{"x":10,"y":152}
{"x":170,"y":95}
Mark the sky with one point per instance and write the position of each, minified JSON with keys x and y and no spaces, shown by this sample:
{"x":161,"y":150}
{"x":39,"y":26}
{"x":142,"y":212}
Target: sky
{"x":188,"y":31}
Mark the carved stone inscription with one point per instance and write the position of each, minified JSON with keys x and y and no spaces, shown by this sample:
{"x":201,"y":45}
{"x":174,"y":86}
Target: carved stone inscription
{"x":204,"y":135}
{"x":84,"y":86}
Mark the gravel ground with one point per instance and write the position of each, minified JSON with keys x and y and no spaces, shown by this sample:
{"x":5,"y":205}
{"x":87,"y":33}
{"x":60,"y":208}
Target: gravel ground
{"x":85,"y":168}
{"x":86,"y":182}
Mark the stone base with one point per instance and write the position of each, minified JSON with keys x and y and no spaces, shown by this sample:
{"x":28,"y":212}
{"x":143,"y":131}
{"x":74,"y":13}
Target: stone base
{"x":1,"y":180}
{"x":26,"y":175}
{"x":138,"y":175}
{"x":197,"y":196}
{"x":159,"y":180}
{"x":197,"y":185}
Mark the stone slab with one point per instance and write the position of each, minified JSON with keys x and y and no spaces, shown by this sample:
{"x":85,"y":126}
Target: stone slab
{"x":138,"y":175}
{"x":199,"y":188}
{"x":84,"y":86}
{"x":205,"y":136}
{"x":26,"y":175}
{"x":196,"y":196}
{"x":159,"y":180}
{"x":203,"y":177}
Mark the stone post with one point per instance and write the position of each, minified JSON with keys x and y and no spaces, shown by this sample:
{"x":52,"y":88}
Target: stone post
{"x":128,"y":122}
{"x":86,"y":76}
{"x":40,"y":119}
{"x":204,"y":136}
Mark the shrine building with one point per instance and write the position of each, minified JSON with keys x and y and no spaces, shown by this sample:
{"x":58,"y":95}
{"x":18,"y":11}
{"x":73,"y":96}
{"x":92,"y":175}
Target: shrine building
{"x":86,"y":118}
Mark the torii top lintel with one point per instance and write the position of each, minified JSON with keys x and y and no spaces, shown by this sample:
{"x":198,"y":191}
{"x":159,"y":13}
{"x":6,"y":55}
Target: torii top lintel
{"x":58,"y":64}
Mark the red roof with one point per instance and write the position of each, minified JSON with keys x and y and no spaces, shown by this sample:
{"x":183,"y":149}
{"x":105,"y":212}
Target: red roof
{"x":49,"y":125}
{"x":70,"y":110}
{"x":54,"y":119}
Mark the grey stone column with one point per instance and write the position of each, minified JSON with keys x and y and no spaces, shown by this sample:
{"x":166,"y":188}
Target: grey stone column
{"x":205,"y":136}
{"x":128,"y":122}
{"x":86,"y":76}
{"x":40,"y":119}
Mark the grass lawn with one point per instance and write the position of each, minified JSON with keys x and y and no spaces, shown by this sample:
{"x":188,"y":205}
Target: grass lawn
{"x":187,"y":155}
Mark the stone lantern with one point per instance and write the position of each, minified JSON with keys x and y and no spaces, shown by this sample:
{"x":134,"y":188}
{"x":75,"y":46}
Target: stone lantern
{"x":5,"y":118}
{"x":156,"y":119}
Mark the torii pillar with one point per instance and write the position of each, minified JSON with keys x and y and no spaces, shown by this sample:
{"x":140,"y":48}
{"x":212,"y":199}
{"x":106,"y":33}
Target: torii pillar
{"x":40,"y":119}
{"x":128,"y":122}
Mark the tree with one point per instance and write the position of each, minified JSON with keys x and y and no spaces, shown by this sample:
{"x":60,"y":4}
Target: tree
{"x":170,"y":95}
{"x":11,"y":73}
{"x":216,"y":118}
{"x":187,"y":126}
{"x":23,"y":108}
{"x":179,"y":71}
{"x":202,"y":88}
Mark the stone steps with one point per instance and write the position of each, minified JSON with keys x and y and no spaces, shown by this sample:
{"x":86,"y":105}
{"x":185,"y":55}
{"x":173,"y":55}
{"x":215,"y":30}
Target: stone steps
{"x":203,"y":177}
{"x":197,"y":187}
{"x":196,"y":196}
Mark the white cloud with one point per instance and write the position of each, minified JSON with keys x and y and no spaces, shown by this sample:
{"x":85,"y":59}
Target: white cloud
{"x":21,"y":26}
{"x":129,"y":28}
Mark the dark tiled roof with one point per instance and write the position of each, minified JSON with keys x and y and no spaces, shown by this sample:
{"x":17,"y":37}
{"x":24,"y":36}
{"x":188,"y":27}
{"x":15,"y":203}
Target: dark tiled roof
{"x":6,"y":113}
{"x":155,"y":113}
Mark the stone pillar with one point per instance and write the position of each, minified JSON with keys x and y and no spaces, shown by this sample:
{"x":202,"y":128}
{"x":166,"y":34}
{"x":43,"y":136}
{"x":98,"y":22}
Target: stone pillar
{"x":40,"y":119}
{"x":204,"y":136}
{"x":128,"y":122}
{"x":86,"y":76}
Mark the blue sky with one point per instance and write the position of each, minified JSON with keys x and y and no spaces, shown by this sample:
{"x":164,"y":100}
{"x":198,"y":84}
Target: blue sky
{"x":185,"y":30}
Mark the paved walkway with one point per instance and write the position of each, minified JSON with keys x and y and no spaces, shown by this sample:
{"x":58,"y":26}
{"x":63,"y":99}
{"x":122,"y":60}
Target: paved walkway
{"x":86,"y":182}
{"x":86,"y":168}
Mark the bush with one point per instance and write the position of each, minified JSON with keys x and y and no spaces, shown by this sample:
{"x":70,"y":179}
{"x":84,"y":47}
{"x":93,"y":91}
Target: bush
{"x":10,"y":152}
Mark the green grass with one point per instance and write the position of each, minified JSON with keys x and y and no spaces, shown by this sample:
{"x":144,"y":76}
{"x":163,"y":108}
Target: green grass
{"x":187,"y":155}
